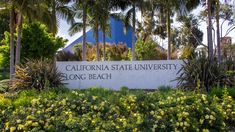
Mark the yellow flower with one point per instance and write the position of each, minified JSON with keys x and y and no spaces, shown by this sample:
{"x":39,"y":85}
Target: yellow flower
{"x":20,"y":127}
{"x":35,"y":124}
{"x":186,"y":124}
{"x":212,"y":117}
{"x":12,"y":129}
{"x":3,"y":112}
{"x":95,"y":107}
{"x":177,"y":124}
{"x":162,"y":112}
{"x":18,"y":121}
{"x":203,"y":97}
{"x":28,"y":123}
{"x":135,"y":130}
{"x":94,"y":97}
{"x":7,"y":126}
{"x":205,"y":130}
{"x":207,"y":117}
{"x":178,"y":99}
{"x":201,"y":121}
{"x":181,"y":124}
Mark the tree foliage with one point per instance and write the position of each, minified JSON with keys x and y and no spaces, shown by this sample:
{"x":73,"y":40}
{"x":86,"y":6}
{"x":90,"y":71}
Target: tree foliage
{"x":37,"y":43}
{"x":4,"y":24}
{"x":148,"y":51}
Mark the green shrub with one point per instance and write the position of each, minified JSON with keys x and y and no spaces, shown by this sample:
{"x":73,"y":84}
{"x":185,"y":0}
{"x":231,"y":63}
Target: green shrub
{"x":219,"y":92}
{"x":4,"y":86}
{"x":114,"y":52}
{"x":200,"y":74}
{"x":4,"y":74}
{"x":5,"y":51}
{"x":148,"y":51}
{"x":39,"y":74}
{"x":98,"y":109}
{"x":36,"y":43}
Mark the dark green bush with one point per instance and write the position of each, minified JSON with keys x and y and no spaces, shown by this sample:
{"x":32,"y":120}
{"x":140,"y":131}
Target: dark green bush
{"x":4,"y":73}
{"x":39,"y":74}
{"x":219,"y":92}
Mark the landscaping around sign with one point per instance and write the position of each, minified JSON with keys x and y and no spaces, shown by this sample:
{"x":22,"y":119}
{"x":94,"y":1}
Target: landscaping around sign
{"x":98,"y":109}
{"x":116,"y":74}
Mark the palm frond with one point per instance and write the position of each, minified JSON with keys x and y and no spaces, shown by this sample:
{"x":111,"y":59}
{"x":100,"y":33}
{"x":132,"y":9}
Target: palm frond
{"x":75,"y":27}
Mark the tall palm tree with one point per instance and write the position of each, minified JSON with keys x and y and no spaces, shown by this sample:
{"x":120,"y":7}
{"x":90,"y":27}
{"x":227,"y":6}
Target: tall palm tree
{"x":12,"y":49}
{"x":99,"y":15}
{"x":90,"y":12}
{"x":218,"y":30}
{"x":108,"y":6}
{"x":217,"y":16}
{"x":10,"y":6}
{"x":167,"y":7}
{"x":209,"y":30}
{"x":85,"y":5}
{"x":131,"y":16}
{"x":80,"y":9}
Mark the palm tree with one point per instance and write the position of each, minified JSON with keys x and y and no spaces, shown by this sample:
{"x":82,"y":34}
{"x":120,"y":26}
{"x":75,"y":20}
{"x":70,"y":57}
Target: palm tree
{"x":91,"y":17}
{"x":85,"y":5}
{"x":12,"y":31}
{"x":80,"y":9}
{"x":96,"y":12}
{"x":131,"y":16}
{"x":40,"y":10}
{"x":218,"y":30}
{"x":167,"y":7}
{"x":105,"y":21}
{"x":217,"y":15}
{"x":10,"y":6}
{"x":99,"y":13}
{"x":23,"y":8}
{"x":209,"y":30}
{"x":213,"y":8}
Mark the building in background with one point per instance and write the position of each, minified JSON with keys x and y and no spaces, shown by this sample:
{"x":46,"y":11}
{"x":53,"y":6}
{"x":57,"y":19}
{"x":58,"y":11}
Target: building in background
{"x":118,"y":35}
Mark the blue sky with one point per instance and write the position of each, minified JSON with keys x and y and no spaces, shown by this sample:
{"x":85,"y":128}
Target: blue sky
{"x":63,"y":30}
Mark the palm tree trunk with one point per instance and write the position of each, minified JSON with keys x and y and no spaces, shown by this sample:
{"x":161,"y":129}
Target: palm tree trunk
{"x":12,"y":30}
{"x":18,"y":46}
{"x":97,"y":42}
{"x":218,"y":30}
{"x":133,"y":34}
{"x":84,"y":33}
{"x":169,"y":34}
{"x":104,"y":41}
{"x":209,"y":31}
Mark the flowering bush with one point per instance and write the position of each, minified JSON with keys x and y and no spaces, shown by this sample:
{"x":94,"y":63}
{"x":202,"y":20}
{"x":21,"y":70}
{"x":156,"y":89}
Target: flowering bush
{"x":106,"y":110}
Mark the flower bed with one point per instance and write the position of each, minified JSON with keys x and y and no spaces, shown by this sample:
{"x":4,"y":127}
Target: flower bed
{"x":106,"y":110}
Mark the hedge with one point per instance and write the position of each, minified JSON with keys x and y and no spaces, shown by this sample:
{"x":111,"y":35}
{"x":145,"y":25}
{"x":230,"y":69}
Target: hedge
{"x":106,"y":110}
